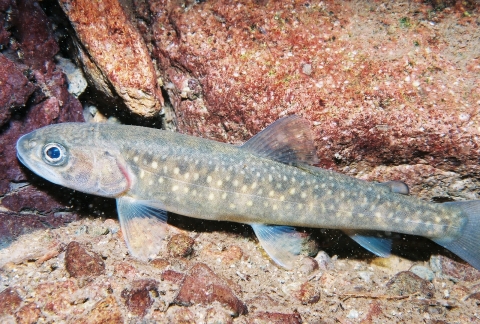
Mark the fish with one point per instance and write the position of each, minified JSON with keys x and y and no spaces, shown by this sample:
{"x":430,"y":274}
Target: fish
{"x":270,"y":182}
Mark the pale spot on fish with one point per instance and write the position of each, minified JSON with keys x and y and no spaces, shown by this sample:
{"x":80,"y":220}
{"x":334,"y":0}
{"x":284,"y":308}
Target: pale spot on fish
{"x":150,"y":182}
{"x":259,"y":192}
{"x":211,"y":196}
{"x":194,"y":192}
{"x":154,"y":164}
{"x":160,"y":180}
{"x":196,"y":176}
{"x":135,"y":159}
{"x":282,"y":198}
{"x":187,"y":175}
{"x":232,"y":206}
{"x":176,"y":170}
{"x":274,"y":207}
{"x":235,"y":183}
{"x":224,"y":195}
{"x":249,"y":203}
{"x":271,"y":193}
{"x":209,"y":179}
{"x":165,"y":169}
{"x":303,"y":195}
{"x":292,"y":191}
{"x":175,"y":188}
{"x":270,"y":178}
{"x":254,"y":185}
{"x":142,"y":174}
{"x":244,"y":188}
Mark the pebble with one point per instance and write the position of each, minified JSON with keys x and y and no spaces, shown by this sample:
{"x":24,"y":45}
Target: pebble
{"x":324,"y":261}
{"x":423,"y":272}
{"x":180,"y":245}
{"x":455,"y":271}
{"x":82,"y":263}
{"x":138,"y":298}
{"x":202,"y":286}
{"x":408,"y":283}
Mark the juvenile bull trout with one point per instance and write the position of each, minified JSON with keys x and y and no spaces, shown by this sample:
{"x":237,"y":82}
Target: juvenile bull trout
{"x":268,"y":182}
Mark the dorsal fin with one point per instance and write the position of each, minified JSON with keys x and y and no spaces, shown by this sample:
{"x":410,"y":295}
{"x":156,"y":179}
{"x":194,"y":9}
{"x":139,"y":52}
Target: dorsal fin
{"x":289,"y":140}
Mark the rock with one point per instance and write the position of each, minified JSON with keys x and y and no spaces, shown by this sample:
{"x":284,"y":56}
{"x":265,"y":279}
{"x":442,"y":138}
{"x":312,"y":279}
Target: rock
{"x":82,"y":263}
{"x":160,"y":263}
{"x":54,"y":297}
{"x":215,"y":316}
{"x":30,"y":313}
{"x":445,"y":267}
{"x":308,"y":293}
{"x":10,"y":300}
{"x":172,"y":276}
{"x":307,"y":266}
{"x":323,"y":62}
{"x":180,"y":245}
{"x":423,"y":272}
{"x":137,"y":298}
{"x":275,"y":318}
{"x":117,"y":56}
{"x":408,"y":283}
{"x":106,"y":311}
{"x":202,"y":286}
{"x":324,"y":261}
{"x":184,"y":316}
{"x":76,"y":81}
{"x":16,"y":88}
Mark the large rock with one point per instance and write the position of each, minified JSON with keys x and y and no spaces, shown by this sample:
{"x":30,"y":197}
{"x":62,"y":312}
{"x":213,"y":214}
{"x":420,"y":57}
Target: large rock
{"x":114,"y":54}
{"x":33,"y":93}
{"x":380,"y":86}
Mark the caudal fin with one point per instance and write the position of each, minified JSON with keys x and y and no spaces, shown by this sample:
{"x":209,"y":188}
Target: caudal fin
{"x":467,"y":245}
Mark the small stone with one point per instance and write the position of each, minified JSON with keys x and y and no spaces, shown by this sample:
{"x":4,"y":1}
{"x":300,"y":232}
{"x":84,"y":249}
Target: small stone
{"x":180,"y":245}
{"x":82,"y":263}
{"x":275,"y":318}
{"x":112,"y":225}
{"x":352,"y":314}
{"x":98,"y":230}
{"x":308,"y":294}
{"x":408,"y":283}
{"x":183,"y":316}
{"x":324,"y":261}
{"x":475,"y":296}
{"x":423,"y":272}
{"x":307,"y":266}
{"x":30,"y":313}
{"x":445,"y":267}
{"x":105,"y":311}
{"x":138,"y":299}
{"x":307,"y":69}
{"x":10,"y":300}
{"x":160,"y":263}
{"x":231,"y":255}
{"x":216,"y":316}
{"x":172,"y":276}
{"x":203,"y":286}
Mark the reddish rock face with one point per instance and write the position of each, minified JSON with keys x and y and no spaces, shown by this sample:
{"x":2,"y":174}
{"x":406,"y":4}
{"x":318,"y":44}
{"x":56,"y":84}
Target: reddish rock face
{"x":378,"y":88}
{"x":33,"y":93}
{"x":201,"y":285}
{"x":82,"y":263}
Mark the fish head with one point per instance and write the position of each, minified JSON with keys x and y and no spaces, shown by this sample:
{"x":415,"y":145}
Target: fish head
{"x":71,"y":155}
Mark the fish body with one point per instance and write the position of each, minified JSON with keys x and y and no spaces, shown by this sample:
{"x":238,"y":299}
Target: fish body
{"x":268,"y":183}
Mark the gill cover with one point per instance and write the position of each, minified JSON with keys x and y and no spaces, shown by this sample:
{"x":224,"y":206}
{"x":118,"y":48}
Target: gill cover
{"x":67,"y":159}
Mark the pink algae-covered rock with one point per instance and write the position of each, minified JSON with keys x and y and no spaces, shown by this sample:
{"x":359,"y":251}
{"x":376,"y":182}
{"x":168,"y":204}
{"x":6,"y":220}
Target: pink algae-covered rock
{"x":201,"y":285}
{"x":380,"y":84}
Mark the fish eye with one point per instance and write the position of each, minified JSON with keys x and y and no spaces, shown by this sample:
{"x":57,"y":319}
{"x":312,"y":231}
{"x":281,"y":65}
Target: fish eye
{"x":54,"y":154}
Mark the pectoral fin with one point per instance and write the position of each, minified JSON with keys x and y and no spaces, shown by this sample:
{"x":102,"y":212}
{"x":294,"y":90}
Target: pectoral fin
{"x":371,"y":241}
{"x":144,"y":226}
{"x":282,"y":243}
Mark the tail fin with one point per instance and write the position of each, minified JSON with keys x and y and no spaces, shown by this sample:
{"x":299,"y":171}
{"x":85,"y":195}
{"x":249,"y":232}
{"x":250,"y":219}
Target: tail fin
{"x":467,"y":245}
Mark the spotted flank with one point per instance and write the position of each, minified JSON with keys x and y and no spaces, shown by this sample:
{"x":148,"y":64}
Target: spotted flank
{"x":269,"y":183}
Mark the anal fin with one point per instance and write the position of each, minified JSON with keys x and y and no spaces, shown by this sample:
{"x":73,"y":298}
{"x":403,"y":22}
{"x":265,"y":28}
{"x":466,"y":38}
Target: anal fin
{"x":144,"y":226}
{"x":282,"y":243}
{"x":371,"y":241}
